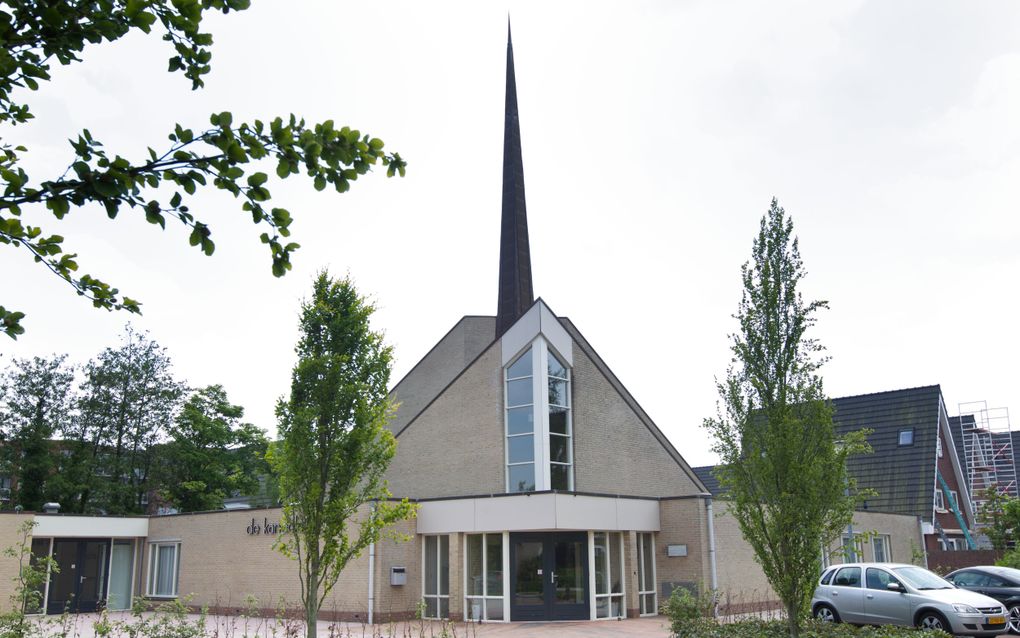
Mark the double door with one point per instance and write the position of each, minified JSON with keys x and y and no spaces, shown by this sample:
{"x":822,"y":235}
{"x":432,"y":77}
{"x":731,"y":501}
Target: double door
{"x":549,"y":576}
{"x":80,"y":585}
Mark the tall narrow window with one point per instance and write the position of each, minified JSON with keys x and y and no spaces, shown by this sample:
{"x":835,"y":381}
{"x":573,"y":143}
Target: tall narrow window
{"x":483,"y":573}
{"x":561,"y":454}
{"x":646,"y":574}
{"x":608,"y":575}
{"x":880,"y":545}
{"x":520,"y":424}
{"x":436,"y":576}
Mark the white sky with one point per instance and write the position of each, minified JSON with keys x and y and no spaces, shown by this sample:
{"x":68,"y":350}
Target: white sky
{"x":654,"y":135}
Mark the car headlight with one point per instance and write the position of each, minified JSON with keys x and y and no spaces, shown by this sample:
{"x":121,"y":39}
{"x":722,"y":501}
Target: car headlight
{"x":964,"y":609}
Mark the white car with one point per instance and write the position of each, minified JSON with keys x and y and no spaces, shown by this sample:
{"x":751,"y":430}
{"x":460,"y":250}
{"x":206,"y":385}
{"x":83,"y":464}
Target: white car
{"x":907,"y":595}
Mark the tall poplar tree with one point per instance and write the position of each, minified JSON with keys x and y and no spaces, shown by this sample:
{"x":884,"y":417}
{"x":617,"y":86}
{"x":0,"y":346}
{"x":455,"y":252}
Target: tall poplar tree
{"x":781,"y":465}
{"x":334,"y":447}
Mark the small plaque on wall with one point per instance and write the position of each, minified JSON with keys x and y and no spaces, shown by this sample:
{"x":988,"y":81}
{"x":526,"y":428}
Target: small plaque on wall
{"x":676,"y":550}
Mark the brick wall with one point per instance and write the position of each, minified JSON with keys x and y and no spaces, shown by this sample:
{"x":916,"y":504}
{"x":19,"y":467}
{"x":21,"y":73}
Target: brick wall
{"x":9,"y":537}
{"x":614,"y":453}
{"x":221,"y":566}
{"x":682,"y":522}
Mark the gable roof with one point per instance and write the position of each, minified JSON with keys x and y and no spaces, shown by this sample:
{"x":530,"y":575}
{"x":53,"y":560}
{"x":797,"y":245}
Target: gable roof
{"x":631,"y":401}
{"x":420,"y":406}
{"x":902,"y":476}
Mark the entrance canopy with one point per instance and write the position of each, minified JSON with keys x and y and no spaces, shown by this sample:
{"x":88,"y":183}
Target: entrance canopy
{"x":538,"y":511}
{"x":57,"y":525}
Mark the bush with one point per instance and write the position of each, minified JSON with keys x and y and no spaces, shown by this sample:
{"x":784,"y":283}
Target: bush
{"x":688,"y":611}
{"x":1010,"y":559}
{"x":706,"y":628}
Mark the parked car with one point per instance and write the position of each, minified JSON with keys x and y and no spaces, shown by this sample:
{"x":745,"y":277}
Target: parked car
{"x":896,"y":594}
{"x":1001,"y":583}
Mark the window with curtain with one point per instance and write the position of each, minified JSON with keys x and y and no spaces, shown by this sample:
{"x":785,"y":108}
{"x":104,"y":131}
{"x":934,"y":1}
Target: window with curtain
{"x":164,"y":569}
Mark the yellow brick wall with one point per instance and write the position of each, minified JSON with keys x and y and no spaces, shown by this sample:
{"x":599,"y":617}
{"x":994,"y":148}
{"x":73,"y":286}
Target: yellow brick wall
{"x":683,"y":522}
{"x":9,"y":537}
{"x":222,"y":565}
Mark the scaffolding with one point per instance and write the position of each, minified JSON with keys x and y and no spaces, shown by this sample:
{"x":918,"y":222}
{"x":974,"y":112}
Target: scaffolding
{"x":987,"y":450}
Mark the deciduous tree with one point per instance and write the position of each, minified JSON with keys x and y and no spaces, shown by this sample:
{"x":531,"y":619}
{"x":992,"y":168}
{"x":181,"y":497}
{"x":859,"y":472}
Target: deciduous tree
{"x":334,"y":447}
{"x":211,"y":454}
{"x":127,"y":401}
{"x":782,"y":468}
{"x":35,"y":404}
{"x":226,"y":155}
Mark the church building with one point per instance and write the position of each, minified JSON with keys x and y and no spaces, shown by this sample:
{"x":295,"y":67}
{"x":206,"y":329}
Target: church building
{"x":545,"y":491}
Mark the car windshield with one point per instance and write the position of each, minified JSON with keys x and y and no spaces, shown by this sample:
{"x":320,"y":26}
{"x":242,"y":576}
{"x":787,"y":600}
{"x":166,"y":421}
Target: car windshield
{"x":922,"y":578}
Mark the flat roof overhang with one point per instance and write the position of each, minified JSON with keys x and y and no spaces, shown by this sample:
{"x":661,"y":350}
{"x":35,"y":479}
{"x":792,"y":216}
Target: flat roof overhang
{"x":538,"y":511}
{"x":62,"y":525}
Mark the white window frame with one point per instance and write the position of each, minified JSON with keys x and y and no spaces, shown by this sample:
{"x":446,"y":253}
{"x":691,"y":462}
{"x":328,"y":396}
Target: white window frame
{"x":858,"y":547}
{"x":885,"y":542}
{"x":535,"y":429}
{"x":439,"y":575}
{"x":899,"y":437}
{"x":940,"y":501}
{"x":641,"y":567}
{"x":592,"y":582}
{"x":485,"y":597}
{"x":153,"y":573}
{"x":540,"y":352}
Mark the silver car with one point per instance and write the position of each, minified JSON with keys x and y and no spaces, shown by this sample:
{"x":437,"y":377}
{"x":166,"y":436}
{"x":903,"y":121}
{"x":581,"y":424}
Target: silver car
{"x":895,"y":594}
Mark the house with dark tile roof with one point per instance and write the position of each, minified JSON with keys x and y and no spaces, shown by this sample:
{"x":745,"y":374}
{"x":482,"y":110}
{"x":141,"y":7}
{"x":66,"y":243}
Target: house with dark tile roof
{"x":915,"y":467}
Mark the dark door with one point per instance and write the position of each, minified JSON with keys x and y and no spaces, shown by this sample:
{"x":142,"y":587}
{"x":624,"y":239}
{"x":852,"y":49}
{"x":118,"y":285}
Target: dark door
{"x":80,"y":585}
{"x":549,"y":576}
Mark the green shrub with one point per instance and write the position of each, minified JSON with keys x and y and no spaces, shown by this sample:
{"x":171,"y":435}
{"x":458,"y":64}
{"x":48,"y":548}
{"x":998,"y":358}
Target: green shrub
{"x":688,"y":611}
{"x":1010,"y":559}
{"x":707,"y":628}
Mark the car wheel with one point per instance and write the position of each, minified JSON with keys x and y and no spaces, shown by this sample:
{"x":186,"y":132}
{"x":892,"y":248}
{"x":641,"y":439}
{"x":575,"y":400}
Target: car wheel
{"x":1013,"y":618}
{"x":826,"y":613}
{"x":933,"y":620}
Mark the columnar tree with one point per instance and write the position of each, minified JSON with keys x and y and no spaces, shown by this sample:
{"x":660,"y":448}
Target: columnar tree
{"x":781,"y":465}
{"x":334,"y":447}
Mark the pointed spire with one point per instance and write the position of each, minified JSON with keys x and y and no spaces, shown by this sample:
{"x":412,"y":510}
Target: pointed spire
{"x":515,"y":292}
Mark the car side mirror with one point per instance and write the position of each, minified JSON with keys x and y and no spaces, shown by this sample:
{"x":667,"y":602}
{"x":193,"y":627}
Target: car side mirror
{"x":894,"y":586}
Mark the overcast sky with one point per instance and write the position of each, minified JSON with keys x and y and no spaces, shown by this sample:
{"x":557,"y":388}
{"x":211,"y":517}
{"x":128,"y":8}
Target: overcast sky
{"x":654,"y":136}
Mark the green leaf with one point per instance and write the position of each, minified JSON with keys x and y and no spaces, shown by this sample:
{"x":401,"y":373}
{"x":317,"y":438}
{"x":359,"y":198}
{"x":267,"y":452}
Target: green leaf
{"x":257,"y":179}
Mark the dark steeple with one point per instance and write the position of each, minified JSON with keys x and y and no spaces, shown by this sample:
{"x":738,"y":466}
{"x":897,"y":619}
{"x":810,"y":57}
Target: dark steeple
{"x":515,"y":293}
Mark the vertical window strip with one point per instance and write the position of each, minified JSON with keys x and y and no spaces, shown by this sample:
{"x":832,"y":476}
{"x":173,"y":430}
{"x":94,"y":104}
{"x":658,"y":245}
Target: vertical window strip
{"x":560,"y":436}
{"x":436,"y":576}
{"x":519,"y":404}
{"x":609,"y":574}
{"x":483,"y":577}
{"x":646,"y":576}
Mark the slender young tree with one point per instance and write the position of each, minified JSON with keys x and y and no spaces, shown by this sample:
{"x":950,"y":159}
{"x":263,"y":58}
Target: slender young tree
{"x":781,"y":465}
{"x":334,"y":447}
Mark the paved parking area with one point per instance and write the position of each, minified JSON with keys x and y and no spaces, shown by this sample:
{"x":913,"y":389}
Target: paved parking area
{"x":83,"y":626}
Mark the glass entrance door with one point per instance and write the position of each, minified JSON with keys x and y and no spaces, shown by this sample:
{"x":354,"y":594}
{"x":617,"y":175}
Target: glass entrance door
{"x":549,"y":576}
{"x":80,"y":584}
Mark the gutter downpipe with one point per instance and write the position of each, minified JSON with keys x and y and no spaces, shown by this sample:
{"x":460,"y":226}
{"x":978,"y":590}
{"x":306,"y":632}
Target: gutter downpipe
{"x":713,"y":576}
{"x":371,"y":577}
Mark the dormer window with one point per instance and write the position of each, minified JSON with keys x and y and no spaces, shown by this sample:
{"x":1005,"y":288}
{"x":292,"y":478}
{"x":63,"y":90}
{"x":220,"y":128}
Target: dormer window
{"x":539,"y":432}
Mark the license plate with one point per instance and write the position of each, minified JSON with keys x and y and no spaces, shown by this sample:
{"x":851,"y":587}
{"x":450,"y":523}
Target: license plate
{"x":996,"y":620}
